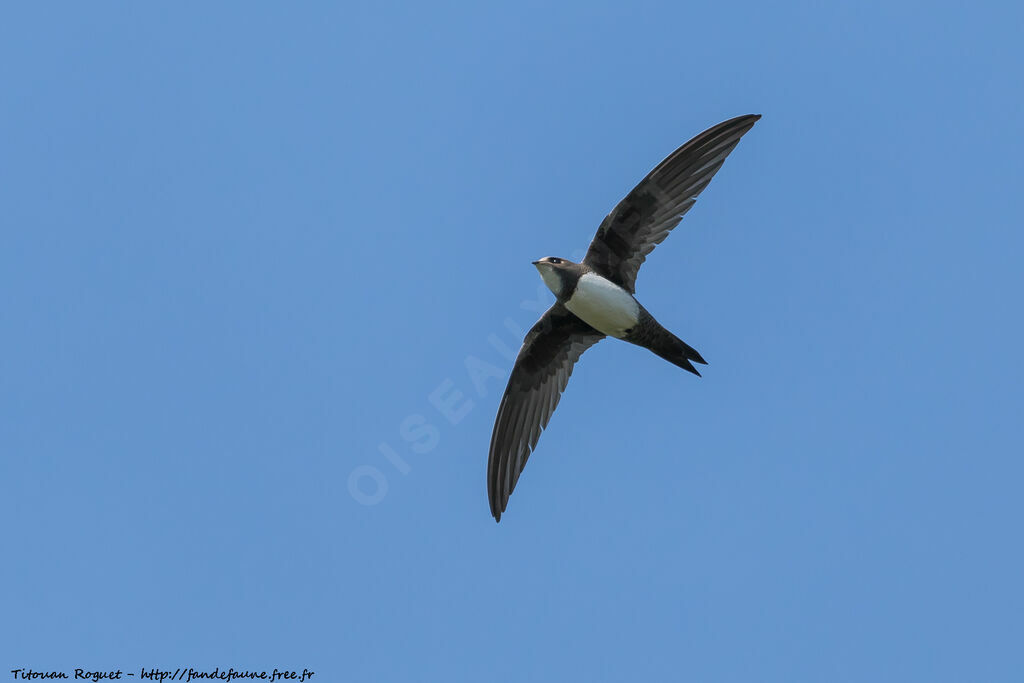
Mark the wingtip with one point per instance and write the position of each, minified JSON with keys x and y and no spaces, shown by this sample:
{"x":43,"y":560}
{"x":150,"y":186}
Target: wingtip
{"x":745,"y":120}
{"x":742,"y":118}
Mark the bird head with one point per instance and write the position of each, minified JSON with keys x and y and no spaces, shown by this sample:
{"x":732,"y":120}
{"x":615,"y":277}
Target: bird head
{"x":556,"y":272}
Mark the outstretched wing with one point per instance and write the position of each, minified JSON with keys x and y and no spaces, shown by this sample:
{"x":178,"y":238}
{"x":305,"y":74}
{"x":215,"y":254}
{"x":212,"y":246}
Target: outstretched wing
{"x":538,"y":378}
{"x":645,"y":217}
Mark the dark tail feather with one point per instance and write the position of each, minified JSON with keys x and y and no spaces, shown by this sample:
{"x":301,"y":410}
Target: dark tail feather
{"x":665,"y":344}
{"x":676,"y":351}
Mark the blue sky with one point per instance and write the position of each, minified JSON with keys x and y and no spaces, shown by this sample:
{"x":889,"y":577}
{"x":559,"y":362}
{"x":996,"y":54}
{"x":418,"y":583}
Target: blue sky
{"x":245,"y":244}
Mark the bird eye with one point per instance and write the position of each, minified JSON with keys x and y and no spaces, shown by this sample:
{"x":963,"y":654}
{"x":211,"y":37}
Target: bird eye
{"x":555,"y":260}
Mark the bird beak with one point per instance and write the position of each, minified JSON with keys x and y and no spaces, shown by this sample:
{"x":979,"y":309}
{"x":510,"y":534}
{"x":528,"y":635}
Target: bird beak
{"x":535,"y":262}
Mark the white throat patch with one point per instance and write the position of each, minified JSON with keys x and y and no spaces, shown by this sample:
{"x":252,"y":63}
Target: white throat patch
{"x":551,"y":279}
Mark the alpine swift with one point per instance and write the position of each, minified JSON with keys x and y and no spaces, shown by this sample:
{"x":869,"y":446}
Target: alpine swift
{"x":596,"y":299}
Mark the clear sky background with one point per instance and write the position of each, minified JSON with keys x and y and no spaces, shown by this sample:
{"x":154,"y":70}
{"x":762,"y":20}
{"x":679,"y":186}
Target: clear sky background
{"x":244,"y":244}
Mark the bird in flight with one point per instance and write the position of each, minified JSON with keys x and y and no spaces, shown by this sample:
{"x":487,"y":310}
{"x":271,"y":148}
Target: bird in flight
{"x":595,"y":299}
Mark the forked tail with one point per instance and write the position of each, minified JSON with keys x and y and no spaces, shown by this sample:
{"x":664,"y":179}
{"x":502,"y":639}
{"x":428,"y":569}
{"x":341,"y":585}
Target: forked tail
{"x":651,"y":335}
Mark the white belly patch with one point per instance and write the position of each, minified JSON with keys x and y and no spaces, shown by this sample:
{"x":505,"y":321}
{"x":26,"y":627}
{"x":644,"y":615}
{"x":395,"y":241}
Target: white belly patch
{"x":604,"y":305}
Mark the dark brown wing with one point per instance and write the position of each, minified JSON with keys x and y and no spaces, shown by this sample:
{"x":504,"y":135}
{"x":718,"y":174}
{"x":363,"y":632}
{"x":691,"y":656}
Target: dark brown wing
{"x":538,"y":378}
{"x":645,"y":217}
